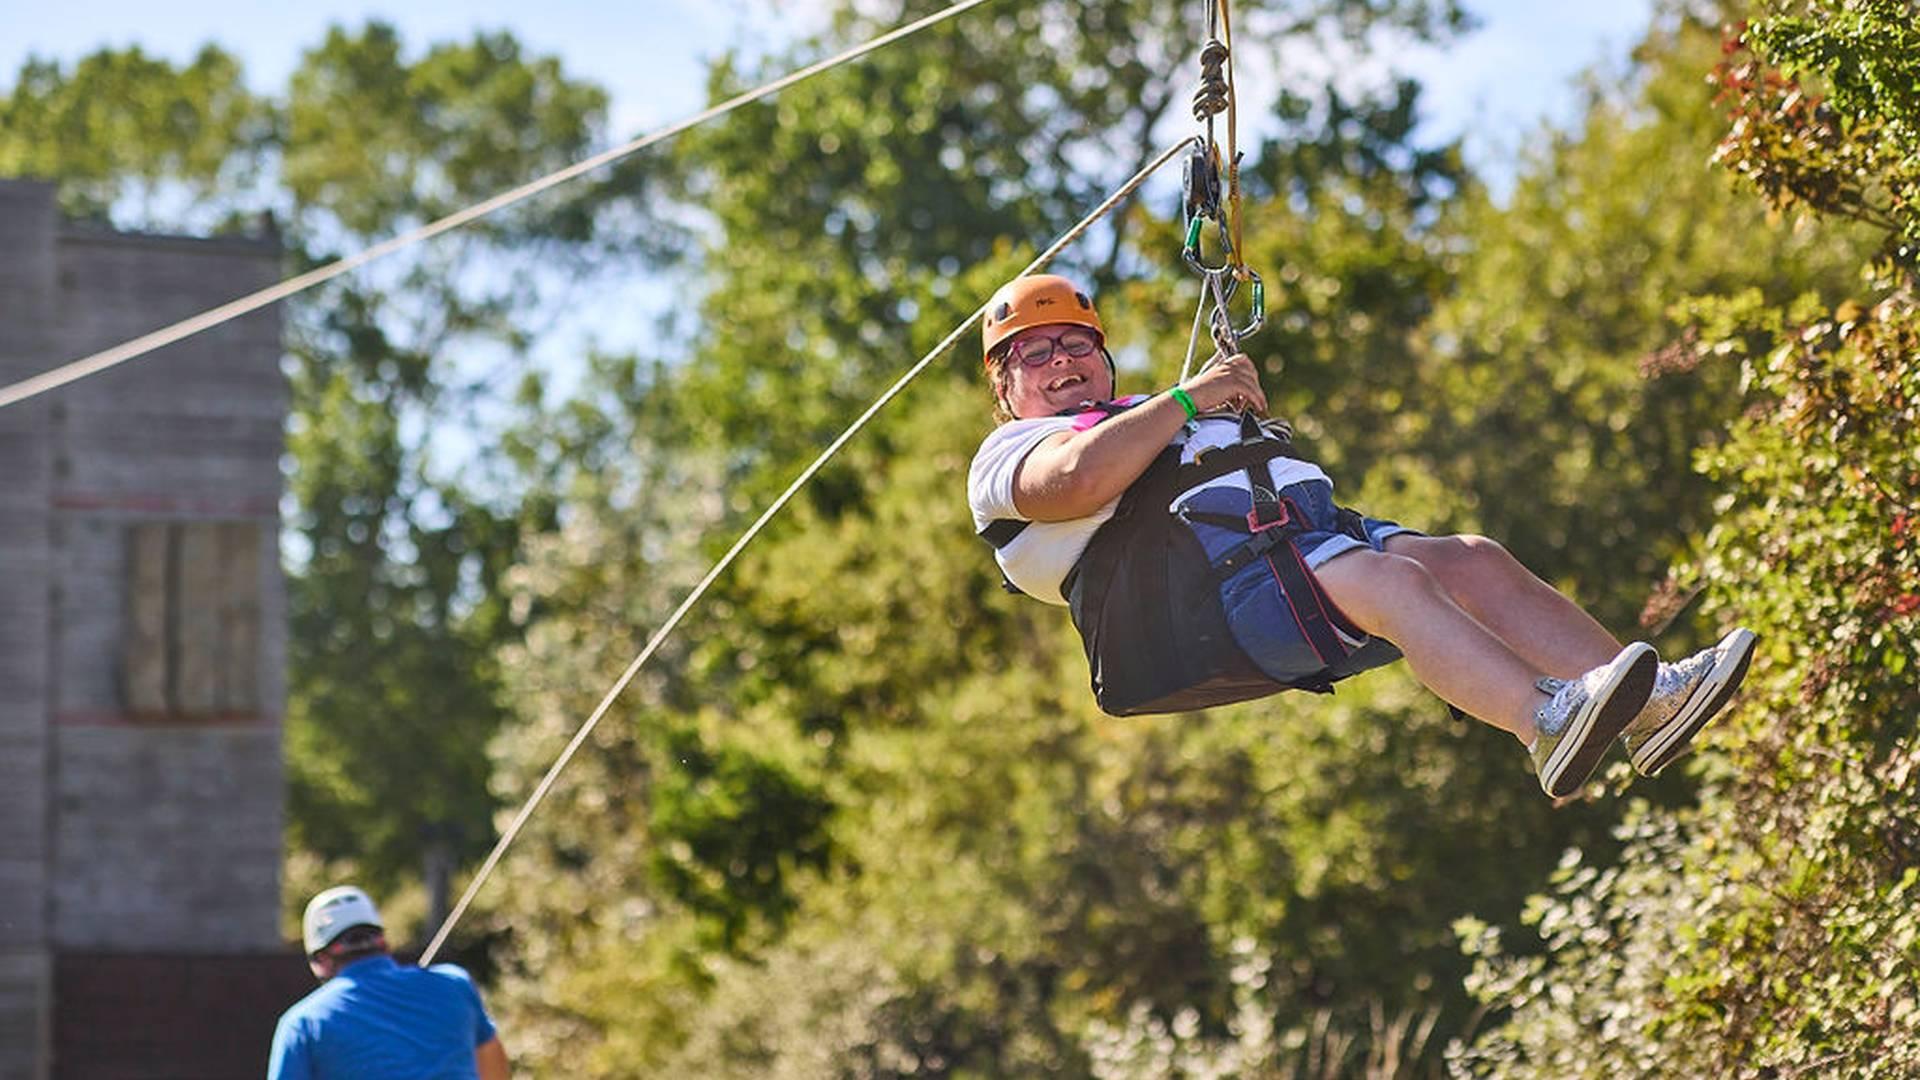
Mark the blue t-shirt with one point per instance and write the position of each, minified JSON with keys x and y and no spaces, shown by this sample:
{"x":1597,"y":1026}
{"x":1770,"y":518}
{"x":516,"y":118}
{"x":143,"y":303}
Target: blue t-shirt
{"x":378,"y":1019}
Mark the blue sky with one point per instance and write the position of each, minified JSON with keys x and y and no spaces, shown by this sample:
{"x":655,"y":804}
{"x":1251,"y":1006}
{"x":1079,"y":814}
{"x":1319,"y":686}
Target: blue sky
{"x":649,"y":55}
{"x":1497,"y":83}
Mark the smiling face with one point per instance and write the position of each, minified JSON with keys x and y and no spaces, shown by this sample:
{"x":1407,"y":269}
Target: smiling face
{"x":1043,"y":376}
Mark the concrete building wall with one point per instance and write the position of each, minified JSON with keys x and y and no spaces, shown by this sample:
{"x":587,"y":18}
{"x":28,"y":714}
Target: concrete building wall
{"x":142,"y":611}
{"x":27,"y":223}
{"x":169,"y":822}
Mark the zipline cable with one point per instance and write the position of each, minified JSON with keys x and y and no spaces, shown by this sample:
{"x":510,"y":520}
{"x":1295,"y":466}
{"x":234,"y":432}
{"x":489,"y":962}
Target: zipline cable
{"x":653,"y":644}
{"x":1202,"y":190}
{"x":1193,"y":337}
{"x":140,"y":346}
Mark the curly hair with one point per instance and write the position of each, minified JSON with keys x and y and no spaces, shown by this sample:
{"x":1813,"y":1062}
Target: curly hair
{"x":999,"y":382}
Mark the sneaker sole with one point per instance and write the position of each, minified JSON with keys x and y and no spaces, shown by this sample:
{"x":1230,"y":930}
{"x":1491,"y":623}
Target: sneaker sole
{"x":1599,"y":722}
{"x":1712,"y":695}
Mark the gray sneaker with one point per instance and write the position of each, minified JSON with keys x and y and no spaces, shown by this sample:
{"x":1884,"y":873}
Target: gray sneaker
{"x":1584,"y":716}
{"x":1685,"y":696}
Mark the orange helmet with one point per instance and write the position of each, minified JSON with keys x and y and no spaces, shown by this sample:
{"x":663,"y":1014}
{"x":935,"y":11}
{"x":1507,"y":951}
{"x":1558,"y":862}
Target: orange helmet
{"x":1036,"y":300}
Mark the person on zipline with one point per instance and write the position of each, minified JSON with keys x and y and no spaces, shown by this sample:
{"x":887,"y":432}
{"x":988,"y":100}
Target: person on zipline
{"x":1205,"y":563}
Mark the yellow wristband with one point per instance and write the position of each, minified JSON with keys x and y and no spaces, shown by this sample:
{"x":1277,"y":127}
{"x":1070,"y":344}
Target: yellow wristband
{"x":1180,"y":395}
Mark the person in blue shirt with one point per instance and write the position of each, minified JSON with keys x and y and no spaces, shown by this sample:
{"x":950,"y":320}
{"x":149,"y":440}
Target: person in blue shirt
{"x":373,"y":1018}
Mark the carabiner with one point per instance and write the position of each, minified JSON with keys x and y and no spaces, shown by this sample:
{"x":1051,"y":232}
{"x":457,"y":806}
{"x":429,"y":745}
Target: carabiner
{"x":1191,"y":251}
{"x":1257,"y":313}
{"x":1224,"y":282}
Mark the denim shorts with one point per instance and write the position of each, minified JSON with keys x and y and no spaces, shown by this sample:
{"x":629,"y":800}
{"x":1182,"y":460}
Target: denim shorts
{"x":1323,"y":539}
{"x":1259,"y":612}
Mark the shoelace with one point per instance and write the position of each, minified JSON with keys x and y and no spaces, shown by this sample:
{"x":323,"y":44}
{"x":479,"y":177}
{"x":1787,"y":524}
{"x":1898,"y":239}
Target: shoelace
{"x":1543,"y":717}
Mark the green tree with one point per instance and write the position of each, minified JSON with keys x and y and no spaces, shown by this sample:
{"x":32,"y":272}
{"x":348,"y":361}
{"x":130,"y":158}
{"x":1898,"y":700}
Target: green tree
{"x":1770,"y":929}
{"x":1399,"y":302}
{"x":1008,"y":867}
{"x":122,"y":131}
{"x":393,"y":557}
{"x":395,"y":605}
{"x":1564,"y":306}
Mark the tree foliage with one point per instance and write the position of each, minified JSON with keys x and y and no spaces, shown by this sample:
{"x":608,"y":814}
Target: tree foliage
{"x":860,"y":817}
{"x":1850,"y":157}
{"x":1012,"y":865}
{"x":1770,"y":930}
{"x":1027,"y":886}
{"x":393,"y":561}
{"x":395,"y":603}
{"x":122,"y":128}
{"x":1563,"y":307}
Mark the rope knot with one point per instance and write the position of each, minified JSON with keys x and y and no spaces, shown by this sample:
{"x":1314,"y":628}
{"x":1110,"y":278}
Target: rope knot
{"x":1211,"y":99}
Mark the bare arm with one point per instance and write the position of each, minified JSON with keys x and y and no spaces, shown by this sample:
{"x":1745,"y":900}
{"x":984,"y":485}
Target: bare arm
{"x":490,"y":1060}
{"x":1072,"y":474}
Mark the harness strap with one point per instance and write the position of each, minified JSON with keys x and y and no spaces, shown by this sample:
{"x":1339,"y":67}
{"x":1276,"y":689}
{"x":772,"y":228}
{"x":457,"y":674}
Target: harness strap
{"x":1001,"y":531}
{"x":1210,"y":465}
{"x":1267,"y":511}
{"x":1311,"y":608}
{"x":1166,"y":479}
{"x":1352,"y":522}
{"x":1093,"y":412}
{"x":1321,"y":623}
{"x":1221,"y":460}
{"x":1254,"y":549}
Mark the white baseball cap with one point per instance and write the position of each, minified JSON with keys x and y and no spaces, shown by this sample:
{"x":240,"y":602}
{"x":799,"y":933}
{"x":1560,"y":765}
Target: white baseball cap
{"x":334,"y":912}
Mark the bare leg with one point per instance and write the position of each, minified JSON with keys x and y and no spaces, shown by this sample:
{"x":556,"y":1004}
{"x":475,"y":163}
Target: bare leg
{"x":1536,"y":621}
{"x":1397,"y":598}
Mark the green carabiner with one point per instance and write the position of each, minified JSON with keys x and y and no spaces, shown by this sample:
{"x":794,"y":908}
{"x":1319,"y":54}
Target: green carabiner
{"x":1257,"y":315}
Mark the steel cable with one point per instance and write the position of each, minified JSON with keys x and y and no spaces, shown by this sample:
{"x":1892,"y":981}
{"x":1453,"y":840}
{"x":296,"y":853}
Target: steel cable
{"x":206,"y":320}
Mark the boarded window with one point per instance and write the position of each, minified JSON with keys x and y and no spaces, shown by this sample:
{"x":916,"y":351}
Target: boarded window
{"x":193,"y":620}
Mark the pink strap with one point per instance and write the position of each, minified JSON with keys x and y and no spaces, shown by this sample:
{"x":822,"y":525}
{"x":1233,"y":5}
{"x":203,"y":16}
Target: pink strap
{"x":1085,"y":420}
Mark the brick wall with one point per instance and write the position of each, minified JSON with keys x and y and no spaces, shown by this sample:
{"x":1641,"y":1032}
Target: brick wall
{"x":133,"y":1017}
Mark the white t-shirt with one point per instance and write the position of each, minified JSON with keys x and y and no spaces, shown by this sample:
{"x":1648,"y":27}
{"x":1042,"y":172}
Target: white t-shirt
{"x":1038,"y":560}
